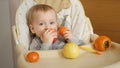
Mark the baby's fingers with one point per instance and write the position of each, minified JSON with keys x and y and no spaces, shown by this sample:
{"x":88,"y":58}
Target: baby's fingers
{"x":67,"y":36}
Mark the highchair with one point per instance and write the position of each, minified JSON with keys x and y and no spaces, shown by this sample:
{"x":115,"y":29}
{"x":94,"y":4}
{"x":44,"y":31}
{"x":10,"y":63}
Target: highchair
{"x":79,"y":23}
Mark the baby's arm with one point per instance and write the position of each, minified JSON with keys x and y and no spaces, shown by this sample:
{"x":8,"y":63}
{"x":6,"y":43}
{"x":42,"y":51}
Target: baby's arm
{"x":34,"y":44}
{"x":37,"y":45}
{"x":45,"y":46}
{"x":70,"y":38}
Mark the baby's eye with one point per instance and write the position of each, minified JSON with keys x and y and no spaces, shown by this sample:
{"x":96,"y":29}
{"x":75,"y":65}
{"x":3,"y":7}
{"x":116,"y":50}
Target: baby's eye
{"x":52,"y":22}
{"x":41,"y":24}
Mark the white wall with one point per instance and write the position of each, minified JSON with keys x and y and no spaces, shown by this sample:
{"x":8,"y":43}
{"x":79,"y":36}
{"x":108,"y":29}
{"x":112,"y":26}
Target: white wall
{"x":13,"y":5}
{"x":7,"y":19}
{"x":6,"y":48}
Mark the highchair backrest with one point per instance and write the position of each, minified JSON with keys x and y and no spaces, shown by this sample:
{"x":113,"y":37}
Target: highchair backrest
{"x":71,"y":10}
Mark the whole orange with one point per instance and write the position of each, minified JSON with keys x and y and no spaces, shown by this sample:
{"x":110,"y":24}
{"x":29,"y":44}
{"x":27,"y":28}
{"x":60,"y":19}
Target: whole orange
{"x":102,"y":43}
{"x":32,"y":57}
{"x":62,"y":29}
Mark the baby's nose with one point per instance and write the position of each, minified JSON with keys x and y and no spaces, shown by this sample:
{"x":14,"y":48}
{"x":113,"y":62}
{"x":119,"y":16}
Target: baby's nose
{"x":46,"y":28}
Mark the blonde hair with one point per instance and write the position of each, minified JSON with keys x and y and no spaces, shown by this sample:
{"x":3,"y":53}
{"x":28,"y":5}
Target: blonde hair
{"x":35,"y":9}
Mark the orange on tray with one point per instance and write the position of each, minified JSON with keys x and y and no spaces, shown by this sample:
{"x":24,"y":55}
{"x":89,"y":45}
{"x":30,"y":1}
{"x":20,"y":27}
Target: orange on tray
{"x":32,"y":57}
{"x":102,"y":43}
{"x":62,"y":29}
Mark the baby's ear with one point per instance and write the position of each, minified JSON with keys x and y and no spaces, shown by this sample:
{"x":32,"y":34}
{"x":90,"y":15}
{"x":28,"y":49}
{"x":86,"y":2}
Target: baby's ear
{"x":31,"y":28}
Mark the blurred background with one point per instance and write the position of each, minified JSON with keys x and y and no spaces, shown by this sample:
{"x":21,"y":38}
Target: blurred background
{"x":104,"y":16}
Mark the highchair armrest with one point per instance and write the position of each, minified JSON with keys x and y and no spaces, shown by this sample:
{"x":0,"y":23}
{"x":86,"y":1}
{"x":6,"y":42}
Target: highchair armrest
{"x":14,"y":31}
{"x":20,"y":49}
{"x":20,"y":56}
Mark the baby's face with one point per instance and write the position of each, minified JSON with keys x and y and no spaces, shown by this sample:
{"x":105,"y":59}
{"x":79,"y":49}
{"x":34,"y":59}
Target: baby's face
{"x":43,"y":21}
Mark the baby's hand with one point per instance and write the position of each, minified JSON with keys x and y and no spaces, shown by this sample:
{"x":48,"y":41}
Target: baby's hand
{"x":48,"y":36}
{"x":68,"y":35}
{"x":65,"y":33}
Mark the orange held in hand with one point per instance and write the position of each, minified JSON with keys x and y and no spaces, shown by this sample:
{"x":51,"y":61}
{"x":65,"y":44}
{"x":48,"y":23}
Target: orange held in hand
{"x":102,"y":43}
{"x":55,"y":39}
{"x":32,"y":57}
{"x":62,"y":29}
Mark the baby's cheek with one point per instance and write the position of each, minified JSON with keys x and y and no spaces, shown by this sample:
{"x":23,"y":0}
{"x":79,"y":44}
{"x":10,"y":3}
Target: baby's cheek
{"x":40,"y":32}
{"x":55,"y":27}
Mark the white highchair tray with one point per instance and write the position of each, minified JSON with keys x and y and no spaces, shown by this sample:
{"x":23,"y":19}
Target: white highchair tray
{"x":54,"y":59}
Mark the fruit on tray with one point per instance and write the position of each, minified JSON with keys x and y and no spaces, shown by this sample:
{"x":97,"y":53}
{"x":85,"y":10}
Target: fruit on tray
{"x":102,"y":43}
{"x":62,"y":29}
{"x":32,"y":57}
{"x":71,"y":50}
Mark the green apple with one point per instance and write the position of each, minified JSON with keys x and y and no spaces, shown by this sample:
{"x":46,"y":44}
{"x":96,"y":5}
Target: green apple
{"x":71,"y":50}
